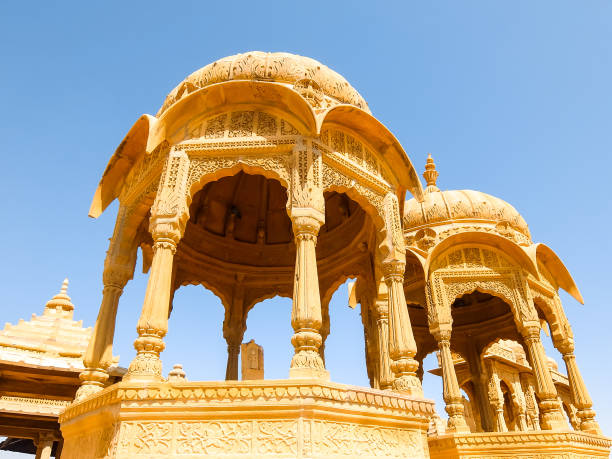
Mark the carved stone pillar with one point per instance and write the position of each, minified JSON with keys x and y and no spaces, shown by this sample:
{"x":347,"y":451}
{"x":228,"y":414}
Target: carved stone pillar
{"x":580,"y":396}
{"x":118,"y":270}
{"x":496,"y":399}
{"x":306,"y":313}
{"x":153,"y":322}
{"x":169,"y":216}
{"x":519,"y":398}
{"x":452,"y":392}
{"x":402,"y":346}
{"x":231,"y":370}
{"x":382,"y":324}
{"x":44,"y":446}
{"x":551,"y":413}
{"x":99,"y":354}
{"x":234,"y":327}
{"x":480,"y":381}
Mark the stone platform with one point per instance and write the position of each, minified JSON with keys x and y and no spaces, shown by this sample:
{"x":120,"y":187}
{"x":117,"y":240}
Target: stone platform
{"x":532,"y":445}
{"x":245,"y":419}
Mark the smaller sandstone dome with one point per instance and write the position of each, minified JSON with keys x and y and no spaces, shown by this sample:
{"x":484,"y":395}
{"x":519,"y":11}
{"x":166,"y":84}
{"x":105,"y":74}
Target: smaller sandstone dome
{"x":317,"y":83}
{"x":463,"y":207}
{"x":517,"y":350}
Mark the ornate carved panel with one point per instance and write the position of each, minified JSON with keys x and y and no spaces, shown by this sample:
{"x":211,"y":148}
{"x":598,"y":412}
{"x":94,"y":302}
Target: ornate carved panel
{"x":463,"y":270}
{"x":232,"y":125}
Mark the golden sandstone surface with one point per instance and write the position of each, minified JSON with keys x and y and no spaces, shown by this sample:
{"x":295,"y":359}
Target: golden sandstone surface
{"x":265,"y":174}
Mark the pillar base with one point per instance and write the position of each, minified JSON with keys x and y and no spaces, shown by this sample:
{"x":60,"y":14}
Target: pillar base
{"x":552,"y":417}
{"x":145,"y":368}
{"x":568,"y":444}
{"x":245,"y":419}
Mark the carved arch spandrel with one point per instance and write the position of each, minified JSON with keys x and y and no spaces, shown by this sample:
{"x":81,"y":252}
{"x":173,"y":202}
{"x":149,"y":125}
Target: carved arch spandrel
{"x":205,"y":169}
{"x":552,"y":310}
{"x":239,"y":95}
{"x":485,"y":240}
{"x":244,"y":127}
{"x":465,"y":269}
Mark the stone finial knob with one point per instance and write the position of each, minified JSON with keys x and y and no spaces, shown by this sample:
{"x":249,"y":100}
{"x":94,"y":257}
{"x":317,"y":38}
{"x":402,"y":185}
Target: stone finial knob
{"x":431,"y":174}
{"x":60,"y":304}
{"x":177,"y":373}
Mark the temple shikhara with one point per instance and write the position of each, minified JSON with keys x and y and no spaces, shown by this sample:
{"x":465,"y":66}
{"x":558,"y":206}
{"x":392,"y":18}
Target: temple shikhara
{"x":266,"y":174}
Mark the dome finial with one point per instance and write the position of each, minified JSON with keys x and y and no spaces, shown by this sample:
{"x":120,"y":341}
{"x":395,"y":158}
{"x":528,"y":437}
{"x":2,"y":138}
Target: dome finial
{"x":430,"y":174}
{"x":60,"y":304}
{"x":64,"y":288}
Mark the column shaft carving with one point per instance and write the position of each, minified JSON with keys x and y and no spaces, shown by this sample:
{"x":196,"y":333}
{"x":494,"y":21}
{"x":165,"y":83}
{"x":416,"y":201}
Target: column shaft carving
{"x":385,"y":378}
{"x":480,"y":381}
{"x":580,"y":395}
{"x":552,"y":417}
{"x":153,"y":322}
{"x":496,"y":399}
{"x":452,"y":392}
{"x":234,"y":327}
{"x":169,"y":215}
{"x":306,"y":208}
{"x":306,"y":316}
{"x":118,"y":270}
{"x":402,"y":346}
{"x":521,"y":404}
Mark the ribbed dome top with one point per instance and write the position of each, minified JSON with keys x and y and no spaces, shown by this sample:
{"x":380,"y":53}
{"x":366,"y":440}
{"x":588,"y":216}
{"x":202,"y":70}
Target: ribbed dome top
{"x":306,"y":75}
{"x":441,"y":207}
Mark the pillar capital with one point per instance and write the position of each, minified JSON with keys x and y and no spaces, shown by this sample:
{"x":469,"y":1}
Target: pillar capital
{"x":393,"y":270}
{"x":442,"y":334}
{"x":306,"y":223}
{"x":166,"y":231}
{"x":380,"y":305}
{"x":531,"y":331}
{"x":116,"y":275}
{"x":566,"y":347}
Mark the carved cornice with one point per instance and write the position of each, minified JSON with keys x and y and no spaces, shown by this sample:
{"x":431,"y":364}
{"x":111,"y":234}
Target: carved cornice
{"x":41,"y":406}
{"x":242,"y":392}
{"x":532,"y":440}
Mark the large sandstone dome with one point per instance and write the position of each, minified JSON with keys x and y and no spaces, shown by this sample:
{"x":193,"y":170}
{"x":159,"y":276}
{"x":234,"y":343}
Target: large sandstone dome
{"x":444,"y":210}
{"x":320,"y":85}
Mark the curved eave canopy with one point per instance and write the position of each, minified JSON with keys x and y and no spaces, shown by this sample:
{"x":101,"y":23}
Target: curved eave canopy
{"x":379,"y":137}
{"x":545,"y":255}
{"x":221,"y":97}
{"x":133,"y":146}
{"x":506,"y":246}
{"x":149,"y":132}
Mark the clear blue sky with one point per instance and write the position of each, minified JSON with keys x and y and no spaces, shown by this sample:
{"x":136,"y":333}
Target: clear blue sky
{"x":512,"y":98}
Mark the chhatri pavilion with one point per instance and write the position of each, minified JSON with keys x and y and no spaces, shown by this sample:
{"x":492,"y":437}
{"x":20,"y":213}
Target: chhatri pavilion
{"x":266,"y":174}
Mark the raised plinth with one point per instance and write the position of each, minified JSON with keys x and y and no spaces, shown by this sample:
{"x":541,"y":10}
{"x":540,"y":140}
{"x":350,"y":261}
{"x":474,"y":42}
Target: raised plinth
{"x":245,"y":419}
{"x":531,"y":444}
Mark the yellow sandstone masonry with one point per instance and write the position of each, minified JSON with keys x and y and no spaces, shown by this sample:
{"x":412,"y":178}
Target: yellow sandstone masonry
{"x":266,"y":174}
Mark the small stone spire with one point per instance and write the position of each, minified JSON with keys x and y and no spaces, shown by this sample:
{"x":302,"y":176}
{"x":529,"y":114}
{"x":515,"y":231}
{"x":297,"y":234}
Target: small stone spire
{"x":430,"y":175}
{"x":177,"y":373}
{"x":64,"y":288}
{"x":60,"y":304}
